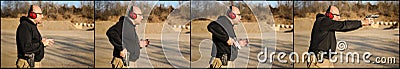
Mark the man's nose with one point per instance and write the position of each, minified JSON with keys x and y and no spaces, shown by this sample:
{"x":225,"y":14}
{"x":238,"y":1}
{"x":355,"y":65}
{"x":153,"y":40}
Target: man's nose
{"x":240,"y":18}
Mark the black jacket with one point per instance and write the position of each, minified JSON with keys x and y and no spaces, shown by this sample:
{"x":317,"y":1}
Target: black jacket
{"x":29,"y":40}
{"x":114,"y":34}
{"x":128,"y":41}
{"x":221,"y":30}
{"x":323,"y":35}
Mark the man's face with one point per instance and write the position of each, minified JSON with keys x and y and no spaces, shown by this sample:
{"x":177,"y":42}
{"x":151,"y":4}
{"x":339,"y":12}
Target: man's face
{"x":39,"y":14}
{"x":139,"y":17}
{"x":238,"y":15}
{"x":335,"y":13}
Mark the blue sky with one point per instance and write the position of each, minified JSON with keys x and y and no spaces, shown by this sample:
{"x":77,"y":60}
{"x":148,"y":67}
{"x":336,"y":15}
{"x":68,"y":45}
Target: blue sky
{"x":69,"y":3}
{"x":168,"y":3}
{"x":273,"y":3}
{"x":173,"y":3}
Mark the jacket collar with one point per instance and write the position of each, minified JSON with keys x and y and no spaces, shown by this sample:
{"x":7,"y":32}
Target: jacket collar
{"x":24,"y":18}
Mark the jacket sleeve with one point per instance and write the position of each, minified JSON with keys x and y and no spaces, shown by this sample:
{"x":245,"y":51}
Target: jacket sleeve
{"x":218,"y":32}
{"x":24,"y":37}
{"x":114,"y":39}
{"x":341,"y":26}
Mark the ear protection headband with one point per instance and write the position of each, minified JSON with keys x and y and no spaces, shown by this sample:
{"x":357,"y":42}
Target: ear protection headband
{"x":230,"y":13}
{"x":32,"y":14}
{"x":132,"y":14}
{"x":329,"y":13}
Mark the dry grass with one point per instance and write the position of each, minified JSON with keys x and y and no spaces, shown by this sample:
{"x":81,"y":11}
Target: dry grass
{"x":12,"y":24}
{"x":73,"y":47}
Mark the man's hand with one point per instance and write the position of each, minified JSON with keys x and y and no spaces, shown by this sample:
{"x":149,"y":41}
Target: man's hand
{"x":243,"y":42}
{"x":144,"y":43}
{"x":230,"y":41}
{"x":366,"y":22}
{"x":48,"y":42}
{"x":123,"y":52}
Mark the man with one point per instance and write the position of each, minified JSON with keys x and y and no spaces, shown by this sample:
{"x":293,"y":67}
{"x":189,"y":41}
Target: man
{"x":117,"y":37}
{"x":30,"y":44}
{"x":224,"y":38}
{"x":323,"y":36}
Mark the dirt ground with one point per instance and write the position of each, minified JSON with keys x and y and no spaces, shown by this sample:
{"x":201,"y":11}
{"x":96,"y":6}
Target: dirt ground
{"x":153,"y":53}
{"x":379,"y":42}
{"x":201,"y":36}
{"x":73,"y":47}
{"x":87,"y":49}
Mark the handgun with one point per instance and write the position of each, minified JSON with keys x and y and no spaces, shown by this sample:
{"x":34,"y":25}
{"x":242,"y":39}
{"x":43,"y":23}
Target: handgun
{"x":30,"y":59}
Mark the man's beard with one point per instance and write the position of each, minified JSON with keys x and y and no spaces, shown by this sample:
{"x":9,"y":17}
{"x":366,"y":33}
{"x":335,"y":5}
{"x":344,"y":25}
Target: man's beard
{"x":137,"y":22}
{"x":38,"y":22}
{"x":134,"y":22}
{"x":236,"y":22}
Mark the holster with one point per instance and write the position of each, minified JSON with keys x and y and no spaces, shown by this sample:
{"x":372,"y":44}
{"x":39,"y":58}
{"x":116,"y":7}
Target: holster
{"x":30,"y":58}
{"x":224,"y":59}
{"x":125,"y":60}
{"x":318,"y":57}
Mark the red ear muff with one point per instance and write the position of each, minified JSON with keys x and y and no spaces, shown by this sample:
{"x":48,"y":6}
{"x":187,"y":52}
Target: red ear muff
{"x":232,"y":15}
{"x":32,"y":15}
{"x":328,"y":12}
{"x":133,"y":15}
{"x":330,"y":15}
